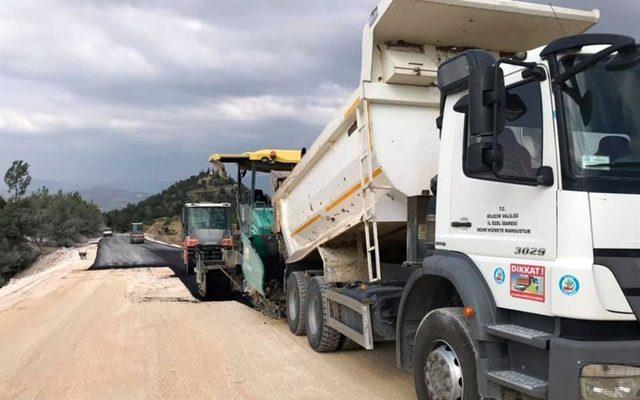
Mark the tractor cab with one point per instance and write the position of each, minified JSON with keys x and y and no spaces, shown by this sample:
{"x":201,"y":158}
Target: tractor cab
{"x":262,"y":268}
{"x":206,"y":230}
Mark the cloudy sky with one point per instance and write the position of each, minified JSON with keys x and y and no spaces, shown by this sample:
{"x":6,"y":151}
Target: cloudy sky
{"x":122,"y":91}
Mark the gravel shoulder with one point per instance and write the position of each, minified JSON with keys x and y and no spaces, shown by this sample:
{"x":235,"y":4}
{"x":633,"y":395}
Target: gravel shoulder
{"x":75,"y":332}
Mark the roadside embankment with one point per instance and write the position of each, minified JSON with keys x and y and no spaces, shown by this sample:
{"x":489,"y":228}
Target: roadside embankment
{"x":47,"y":273}
{"x":165,"y":230}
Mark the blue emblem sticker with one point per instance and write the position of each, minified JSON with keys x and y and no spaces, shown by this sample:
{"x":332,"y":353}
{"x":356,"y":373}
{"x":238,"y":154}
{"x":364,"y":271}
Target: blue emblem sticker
{"x":569,"y":285}
{"x":499,"y":276}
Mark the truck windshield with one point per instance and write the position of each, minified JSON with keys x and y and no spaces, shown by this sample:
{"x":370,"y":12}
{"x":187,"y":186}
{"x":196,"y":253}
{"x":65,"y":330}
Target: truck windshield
{"x":208,"y":218}
{"x":603,"y":121}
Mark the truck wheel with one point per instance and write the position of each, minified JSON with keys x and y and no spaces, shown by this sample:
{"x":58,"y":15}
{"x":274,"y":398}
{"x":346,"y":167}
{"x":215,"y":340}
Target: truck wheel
{"x":321,"y":337}
{"x":190,"y":266}
{"x":347,"y":344}
{"x":444,"y":357}
{"x":297,"y":303}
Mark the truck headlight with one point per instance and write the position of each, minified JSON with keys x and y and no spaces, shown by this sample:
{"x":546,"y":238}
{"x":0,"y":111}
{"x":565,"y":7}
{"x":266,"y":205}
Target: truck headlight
{"x":605,"y":382}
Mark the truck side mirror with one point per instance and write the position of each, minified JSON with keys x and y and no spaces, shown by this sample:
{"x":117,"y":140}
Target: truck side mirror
{"x":481,"y":156}
{"x":486,"y":100}
{"x":544,"y":176}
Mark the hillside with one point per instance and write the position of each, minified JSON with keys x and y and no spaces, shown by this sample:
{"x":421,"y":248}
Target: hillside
{"x":166,"y":230}
{"x":204,"y":187}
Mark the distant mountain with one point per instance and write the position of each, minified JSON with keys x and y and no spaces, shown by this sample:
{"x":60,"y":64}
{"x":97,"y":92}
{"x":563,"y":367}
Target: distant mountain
{"x":145,"y":186}
{"x":110,"y":198}
{"x":53,"y":186}
{"x":106,"y":197}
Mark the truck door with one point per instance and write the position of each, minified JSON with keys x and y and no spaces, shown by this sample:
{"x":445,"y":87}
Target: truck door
{"x":509,"y":229}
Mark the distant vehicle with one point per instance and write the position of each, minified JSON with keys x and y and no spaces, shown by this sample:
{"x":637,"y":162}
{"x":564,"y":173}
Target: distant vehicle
{"x":107,"y":233}
{"x":136,"y":234}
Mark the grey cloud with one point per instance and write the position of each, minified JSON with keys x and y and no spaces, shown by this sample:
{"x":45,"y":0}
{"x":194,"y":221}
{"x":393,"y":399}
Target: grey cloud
{"x":109,"y":90}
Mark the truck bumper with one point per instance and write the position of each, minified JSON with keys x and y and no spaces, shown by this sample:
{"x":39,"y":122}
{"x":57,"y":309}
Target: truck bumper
{"x":569,"y":357}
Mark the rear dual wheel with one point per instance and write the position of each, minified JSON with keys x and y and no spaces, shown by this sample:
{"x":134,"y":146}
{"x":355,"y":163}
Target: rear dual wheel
{"x":298,"y":292}
{"x":297,"y":303}
{"x":321,"y":337}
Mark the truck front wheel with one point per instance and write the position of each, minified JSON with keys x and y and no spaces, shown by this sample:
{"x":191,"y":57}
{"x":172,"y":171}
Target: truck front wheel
{"x":321,"y":337}
{"x":297,"y":303}
{"x":444,"y":357}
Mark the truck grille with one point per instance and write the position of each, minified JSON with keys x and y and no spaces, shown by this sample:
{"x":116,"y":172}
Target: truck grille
{"x":625,"y":265}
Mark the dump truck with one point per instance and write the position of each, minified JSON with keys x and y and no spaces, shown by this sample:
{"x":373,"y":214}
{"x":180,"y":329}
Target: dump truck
{"x":136,"y":233}
{"x":477,"y":201}
{"x":259,"y":270}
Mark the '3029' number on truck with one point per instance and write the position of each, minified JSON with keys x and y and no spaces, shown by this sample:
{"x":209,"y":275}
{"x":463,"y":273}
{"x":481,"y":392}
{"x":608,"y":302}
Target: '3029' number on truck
{"x":531,"y":251}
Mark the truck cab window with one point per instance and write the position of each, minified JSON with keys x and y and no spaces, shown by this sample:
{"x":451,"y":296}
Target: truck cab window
{"x":521,"y":140}
{"x":603,"y":124}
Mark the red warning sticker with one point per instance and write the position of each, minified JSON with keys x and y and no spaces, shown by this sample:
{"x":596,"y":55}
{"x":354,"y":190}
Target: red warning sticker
{"x":527,"y":282}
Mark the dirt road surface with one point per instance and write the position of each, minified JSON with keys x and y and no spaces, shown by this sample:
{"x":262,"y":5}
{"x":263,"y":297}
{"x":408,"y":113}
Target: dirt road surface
{"x":70,"y":332}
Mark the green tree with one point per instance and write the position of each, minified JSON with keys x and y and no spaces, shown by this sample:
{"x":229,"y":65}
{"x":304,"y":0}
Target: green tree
{"x":18,"y":178}
{"x":61,"y":219}
{"x":15,"y":252}
{"x":40,"y":227}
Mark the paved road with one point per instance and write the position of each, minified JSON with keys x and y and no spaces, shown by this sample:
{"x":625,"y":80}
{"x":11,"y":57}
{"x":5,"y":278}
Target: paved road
{"x":74,"y":332}
{"x":117,"y":252}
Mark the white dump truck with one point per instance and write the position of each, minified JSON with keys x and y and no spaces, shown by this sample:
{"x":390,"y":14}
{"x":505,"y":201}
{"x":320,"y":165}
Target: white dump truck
{"x":477,"y":201}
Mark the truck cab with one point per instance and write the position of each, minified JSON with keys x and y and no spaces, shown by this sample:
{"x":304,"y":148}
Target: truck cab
{"x":553,"y":162}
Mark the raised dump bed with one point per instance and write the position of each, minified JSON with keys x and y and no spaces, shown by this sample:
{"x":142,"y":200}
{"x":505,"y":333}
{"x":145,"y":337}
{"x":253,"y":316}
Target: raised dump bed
{"x":381,"y":149}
